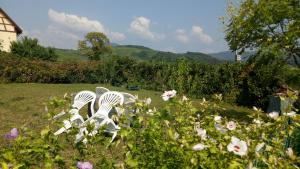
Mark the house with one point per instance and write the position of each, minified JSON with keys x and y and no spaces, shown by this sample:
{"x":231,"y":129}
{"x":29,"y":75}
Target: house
{"x":9,"y":31}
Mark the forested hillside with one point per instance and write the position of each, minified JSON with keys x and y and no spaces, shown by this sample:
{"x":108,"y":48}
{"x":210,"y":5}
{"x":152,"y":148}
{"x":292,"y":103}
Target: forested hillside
{"x":141,"y":53}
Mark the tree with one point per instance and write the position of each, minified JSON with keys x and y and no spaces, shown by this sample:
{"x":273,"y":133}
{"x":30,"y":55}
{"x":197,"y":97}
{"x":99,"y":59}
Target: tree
{"x":29,"y":47}
{"x":266,"y":24}
{"x":94,"y":45}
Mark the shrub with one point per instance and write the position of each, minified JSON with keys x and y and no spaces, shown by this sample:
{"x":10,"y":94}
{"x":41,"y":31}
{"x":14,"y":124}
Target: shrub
{"x":247,"y":84}
{"x":27,"y":47}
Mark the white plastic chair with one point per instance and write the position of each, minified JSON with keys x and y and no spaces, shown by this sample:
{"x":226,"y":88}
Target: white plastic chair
{"x":100,"y":91}
{"x":80,"y":100}
{"x":128,"y":98}
{"x":106,"y":102}
{"x":129,"y":101}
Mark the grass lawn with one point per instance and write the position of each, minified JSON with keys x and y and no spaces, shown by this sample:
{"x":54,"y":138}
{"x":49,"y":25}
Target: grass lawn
{"x":23,"y":104}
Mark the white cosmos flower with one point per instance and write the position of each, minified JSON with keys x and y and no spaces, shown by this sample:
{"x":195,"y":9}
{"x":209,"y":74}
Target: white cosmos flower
{"x":201,"y":132}
{"x":184,"y":98}
{"x":256,"y":121}
{"x":290,"y":152}
{"x":217,"y":118}
{"x":237,"y":146}
{"x":231,"y":125}
{"x":168,"y":94}
{"x":199,"y":147}
{"x":148,"y":101}
{"x":259,"y":147}
{"x":255,"y":108}
{"x":274,"y":115}
{"x":176,"y":136}
{"x":290,"y":114}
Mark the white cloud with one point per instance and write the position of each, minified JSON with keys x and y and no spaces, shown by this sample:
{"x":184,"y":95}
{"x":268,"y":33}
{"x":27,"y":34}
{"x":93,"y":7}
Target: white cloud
{"x":181,"y":36}
{"x":117,"y":36}
{"x":81,"y":24}
{"x":141,"y":26}
{"x":55,"y":37}
{"x":61,"y":33}
{"x":199,"y":33}
{"x":75,"y":22}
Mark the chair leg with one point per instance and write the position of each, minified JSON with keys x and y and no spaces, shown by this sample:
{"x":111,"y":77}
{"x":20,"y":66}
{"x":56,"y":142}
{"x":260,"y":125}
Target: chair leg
{"x":114,"y":136}
{"x":59,"y":131}
{"x":80,"y":135}
{"x":67,"y":125}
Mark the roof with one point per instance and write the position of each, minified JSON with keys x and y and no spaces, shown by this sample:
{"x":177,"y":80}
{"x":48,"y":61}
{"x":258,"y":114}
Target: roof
{"x":17,"y":28}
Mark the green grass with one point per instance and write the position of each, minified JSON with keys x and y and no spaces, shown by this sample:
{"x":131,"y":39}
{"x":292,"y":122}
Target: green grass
{"x":23,"y":104}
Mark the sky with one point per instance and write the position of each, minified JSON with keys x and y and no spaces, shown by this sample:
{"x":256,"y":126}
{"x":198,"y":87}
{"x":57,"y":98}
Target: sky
{"x":167,"y":25}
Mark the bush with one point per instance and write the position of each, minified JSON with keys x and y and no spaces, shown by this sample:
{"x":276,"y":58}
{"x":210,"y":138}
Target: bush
{"x":27,"y":47}
{"x":247,"y":84}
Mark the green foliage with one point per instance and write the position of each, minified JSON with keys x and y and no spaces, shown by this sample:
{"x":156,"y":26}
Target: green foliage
{"x":237,"y":82}
{"x":164,"y":138}
{"x":261,"y":78}
{"x":31,"y":149}
{"x":95,"y":45}
{"x":263,"y":24}
{"x":27,"y":47}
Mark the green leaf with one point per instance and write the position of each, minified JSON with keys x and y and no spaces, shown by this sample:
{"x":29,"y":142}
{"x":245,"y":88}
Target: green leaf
{"x":45,"y":132}
{"x":235,"y":165}
{"x":4,"y":165}
{"x":131,"y":162}
{"x":8,"y":156}
{"x":18,"y":166}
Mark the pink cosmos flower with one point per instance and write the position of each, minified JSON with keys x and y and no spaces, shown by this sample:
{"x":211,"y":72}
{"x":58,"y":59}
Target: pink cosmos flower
{"x":14,"y":133}
{"x":84,"y":165}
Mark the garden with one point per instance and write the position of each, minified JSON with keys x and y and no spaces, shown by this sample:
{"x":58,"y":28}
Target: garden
{"x":182,"y":113}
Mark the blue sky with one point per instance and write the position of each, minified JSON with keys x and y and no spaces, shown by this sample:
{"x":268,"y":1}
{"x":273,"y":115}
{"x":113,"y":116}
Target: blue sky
{"x":168,"y":25}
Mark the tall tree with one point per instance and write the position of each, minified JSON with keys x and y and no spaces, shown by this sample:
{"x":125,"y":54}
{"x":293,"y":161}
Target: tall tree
{"x":94,"y":45}
{"x":266,"y":24}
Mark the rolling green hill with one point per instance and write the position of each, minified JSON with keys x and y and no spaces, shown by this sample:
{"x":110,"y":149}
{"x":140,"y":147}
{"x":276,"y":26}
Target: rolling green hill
{"x":141,"y":53}
{"x":69,"y":54}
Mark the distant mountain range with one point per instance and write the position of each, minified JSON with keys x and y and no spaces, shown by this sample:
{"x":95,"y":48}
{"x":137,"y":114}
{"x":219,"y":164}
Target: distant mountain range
{"x":148,"y":54}
{"x":144,"y":53}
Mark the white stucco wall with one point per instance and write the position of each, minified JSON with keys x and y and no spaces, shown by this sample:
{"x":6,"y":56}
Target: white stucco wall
{"x":6,"y":38}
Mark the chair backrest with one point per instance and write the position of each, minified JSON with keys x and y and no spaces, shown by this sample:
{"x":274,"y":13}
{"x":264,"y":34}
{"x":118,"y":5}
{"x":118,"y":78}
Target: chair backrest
{"x":84,"y":97}
{"x":100,"y":91}
{"x":128,"y":98}
{"x":108,"y":100}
